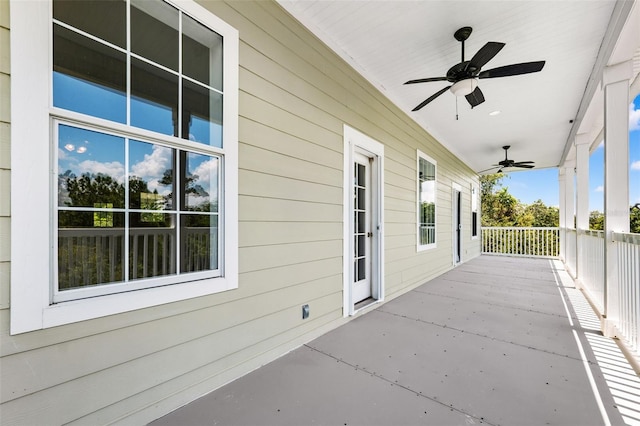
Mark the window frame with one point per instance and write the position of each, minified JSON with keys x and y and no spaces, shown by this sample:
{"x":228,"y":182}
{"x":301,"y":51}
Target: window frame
{"x":33,"y":171}
{"x":475,"y":202}
{"x":422,"y":247}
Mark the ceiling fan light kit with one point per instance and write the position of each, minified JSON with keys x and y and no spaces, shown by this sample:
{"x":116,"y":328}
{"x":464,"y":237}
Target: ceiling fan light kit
{"x":464,"y":87}
{"x":464,"y":76}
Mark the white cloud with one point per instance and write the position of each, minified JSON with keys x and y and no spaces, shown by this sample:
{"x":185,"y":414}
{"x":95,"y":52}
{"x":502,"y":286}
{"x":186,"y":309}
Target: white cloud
{"x":635,"y":165}
{"x":599,"y":188}
{"x":205,"y":172}
{"x":634,"y":118}
{"x":153,"y":166}
{"x":114,"y":169}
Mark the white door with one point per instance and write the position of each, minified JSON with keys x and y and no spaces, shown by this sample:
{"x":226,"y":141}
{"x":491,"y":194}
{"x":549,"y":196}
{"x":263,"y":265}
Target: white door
{"x":362,"y":229}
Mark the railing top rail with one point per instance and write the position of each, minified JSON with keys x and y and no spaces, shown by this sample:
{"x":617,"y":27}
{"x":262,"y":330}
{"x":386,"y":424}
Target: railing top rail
{"x":536,"y":228}
{"x":624,"y":237}
{"x":591,"y":232}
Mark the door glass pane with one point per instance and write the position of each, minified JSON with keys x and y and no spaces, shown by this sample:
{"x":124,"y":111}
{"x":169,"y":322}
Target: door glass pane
{"x":201,"y":53}
{"x":154,"y":98}
{"x":151,"y":177}
{"x":199,"y":242}
{"x":105,"y":19}
{"x":90,"y":248}
{"x":90,"y":168}
{"x":152,"y":245}
{"x":362,"y":274}
{"x":202,"y":114}
{"x":154,"y":32}
{"x":88,"y":77}
{"x":200,"y":182}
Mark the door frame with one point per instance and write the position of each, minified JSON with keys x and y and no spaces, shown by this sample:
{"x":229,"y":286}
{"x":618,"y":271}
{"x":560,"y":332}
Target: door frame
{"x":356,"y":141}
{"x":456,"y":222}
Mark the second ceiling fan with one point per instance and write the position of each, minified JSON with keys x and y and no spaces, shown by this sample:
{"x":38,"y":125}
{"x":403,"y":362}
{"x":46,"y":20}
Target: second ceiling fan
{"x":465,"y":75}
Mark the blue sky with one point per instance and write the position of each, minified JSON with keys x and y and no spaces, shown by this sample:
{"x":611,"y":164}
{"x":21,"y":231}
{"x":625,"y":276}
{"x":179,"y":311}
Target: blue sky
{"x":529,"y":186}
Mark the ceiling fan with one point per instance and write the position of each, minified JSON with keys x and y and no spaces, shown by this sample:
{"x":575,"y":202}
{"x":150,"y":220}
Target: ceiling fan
{"x":465,"y":75}
{"x":510,"y":163}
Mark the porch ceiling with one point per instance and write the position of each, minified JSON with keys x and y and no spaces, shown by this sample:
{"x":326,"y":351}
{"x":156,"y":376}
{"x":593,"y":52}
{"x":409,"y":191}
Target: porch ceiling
{"x":390,"y":42}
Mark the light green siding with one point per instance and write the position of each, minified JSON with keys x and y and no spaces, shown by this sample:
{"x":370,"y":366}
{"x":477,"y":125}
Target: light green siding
{"x":295,"y":96}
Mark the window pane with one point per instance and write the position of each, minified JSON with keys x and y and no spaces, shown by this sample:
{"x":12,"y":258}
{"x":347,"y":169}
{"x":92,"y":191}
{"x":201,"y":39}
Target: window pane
{"x":427,"y":206}
{"x":199,"y":242}
{"x":90,"y":168}
{"x":88,"y":77}
{"x":154,"y":32}
{"x":151,"y":176}
{"x":202,"y":114}
{"x":152,"y":245}
{"x":154,"y":98}
{"x":199,"y":182}
{"x":90,"y":248}
{"x":105,"y":19}
{"x":201,"y":53}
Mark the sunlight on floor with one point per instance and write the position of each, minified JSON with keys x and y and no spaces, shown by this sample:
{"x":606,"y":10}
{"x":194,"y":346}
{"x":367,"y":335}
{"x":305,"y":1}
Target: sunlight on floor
{"x":622,"y":380}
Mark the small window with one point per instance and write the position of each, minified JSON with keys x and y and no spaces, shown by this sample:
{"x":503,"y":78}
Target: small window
{"x":427,"y":196}
{"x":474,"y":211}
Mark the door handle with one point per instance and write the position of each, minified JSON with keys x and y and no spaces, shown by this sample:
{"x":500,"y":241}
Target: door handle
{"x":369,"y":234}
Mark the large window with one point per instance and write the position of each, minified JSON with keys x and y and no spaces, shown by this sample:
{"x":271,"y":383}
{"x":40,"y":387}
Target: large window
{"x":427,"y":195}
{"x":141,"y":119}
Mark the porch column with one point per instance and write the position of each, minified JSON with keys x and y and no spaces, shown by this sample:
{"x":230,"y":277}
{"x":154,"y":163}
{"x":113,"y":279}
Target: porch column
{"x":582,"y":143}
{"x":615,"y":81}
{"x":569,"y":218}
{"x":562,"y":200}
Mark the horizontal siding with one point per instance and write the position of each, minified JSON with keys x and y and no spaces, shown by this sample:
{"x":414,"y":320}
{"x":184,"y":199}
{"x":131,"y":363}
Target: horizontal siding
{"x":295,"y":96}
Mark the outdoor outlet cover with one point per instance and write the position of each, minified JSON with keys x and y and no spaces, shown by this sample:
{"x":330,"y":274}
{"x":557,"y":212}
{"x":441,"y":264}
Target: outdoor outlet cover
{"x":305,"y":311}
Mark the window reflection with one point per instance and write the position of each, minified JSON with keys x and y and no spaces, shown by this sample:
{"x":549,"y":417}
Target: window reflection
{"x":152,"y":245}
{"x":105,"y":19}
{"x":89,"y":255}
{"x":154,"y":32}
{"x":154,"y":98}
{"x":201,"y":53}
{"x":88,"y":77}
{"x":202,"y":114}
{"x":199,"y":242}
{"x":199,"y":182}
{"x":151,"y":170}
{"x":90,"y":167}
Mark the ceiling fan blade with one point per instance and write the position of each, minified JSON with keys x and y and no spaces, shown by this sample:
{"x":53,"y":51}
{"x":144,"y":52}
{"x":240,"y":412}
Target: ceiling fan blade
{"x":475,"y":98}
{"x":523,"y":166}
{"x":426,"y":80}
{"x":514,"y":69}
{"x":525,"y":162}
{"x":430,"y":98}
{"x":485,"y":54}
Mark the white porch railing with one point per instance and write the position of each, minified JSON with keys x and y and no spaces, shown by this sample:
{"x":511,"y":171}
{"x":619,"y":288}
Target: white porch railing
{"x":528,"y":242}
{"x":627,"y":248}
{"x":591,"y":265}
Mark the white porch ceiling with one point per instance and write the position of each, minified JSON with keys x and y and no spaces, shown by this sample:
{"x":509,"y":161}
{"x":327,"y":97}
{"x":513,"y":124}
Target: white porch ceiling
{"x":390,"y":42}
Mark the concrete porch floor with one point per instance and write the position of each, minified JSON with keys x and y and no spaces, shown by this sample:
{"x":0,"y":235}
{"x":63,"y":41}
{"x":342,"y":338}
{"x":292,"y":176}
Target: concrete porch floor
{"x":497,"y":341}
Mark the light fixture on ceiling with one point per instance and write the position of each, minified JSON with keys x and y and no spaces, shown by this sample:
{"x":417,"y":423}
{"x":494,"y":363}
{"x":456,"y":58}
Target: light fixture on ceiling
{"x":493,"y":113}
{"x":464,"y":87}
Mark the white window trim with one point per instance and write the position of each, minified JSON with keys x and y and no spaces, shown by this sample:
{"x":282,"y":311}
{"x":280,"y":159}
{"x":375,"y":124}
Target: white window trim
{"x":423,"y":247}
{"x":32,"y":170}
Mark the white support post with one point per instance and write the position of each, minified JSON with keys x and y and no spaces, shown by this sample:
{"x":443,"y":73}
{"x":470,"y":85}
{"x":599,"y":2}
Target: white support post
{"x":569,"y":213}
{"x":562,"y":199}
{"x":582,"y":143}
{"x":615,"y":81}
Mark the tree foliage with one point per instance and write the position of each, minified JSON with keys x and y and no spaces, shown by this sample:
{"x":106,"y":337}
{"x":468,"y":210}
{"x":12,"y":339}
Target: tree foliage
{"x":500,"y":208}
